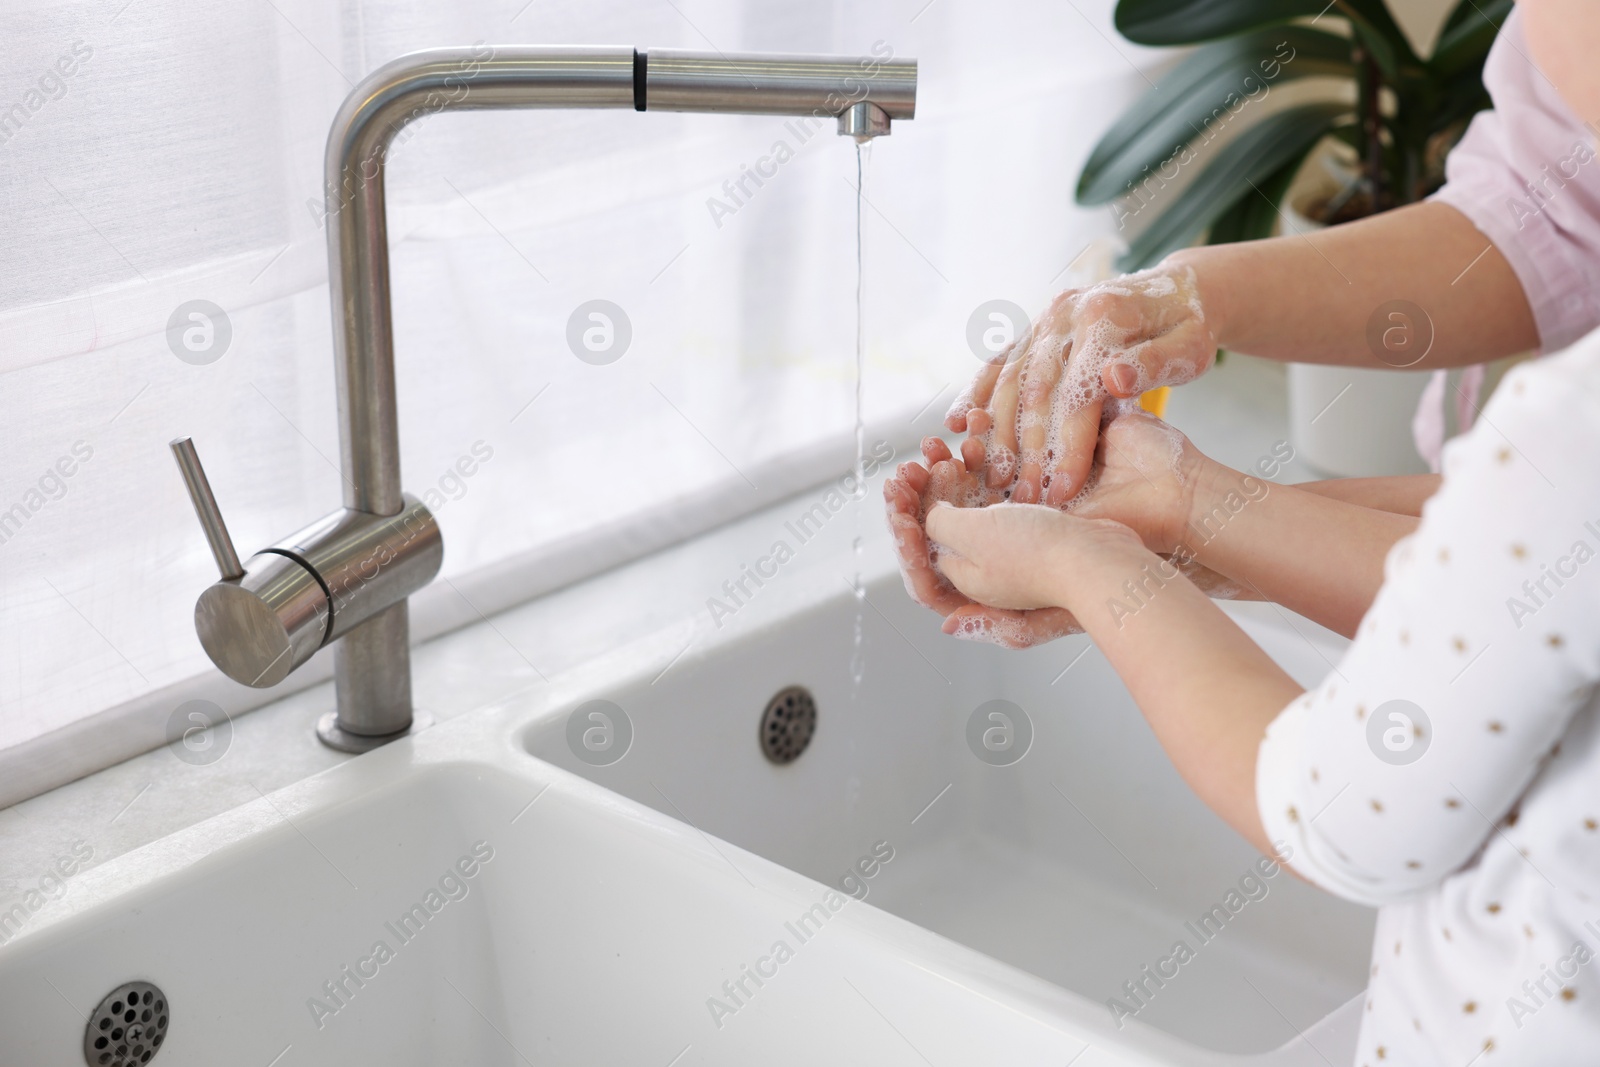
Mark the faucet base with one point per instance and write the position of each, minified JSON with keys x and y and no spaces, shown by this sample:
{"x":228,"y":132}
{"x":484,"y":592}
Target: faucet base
{"x":334,"y":736}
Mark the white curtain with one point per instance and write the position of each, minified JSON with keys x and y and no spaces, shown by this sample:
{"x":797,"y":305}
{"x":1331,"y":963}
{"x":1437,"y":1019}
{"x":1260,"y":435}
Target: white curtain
{"x":154,"y":153}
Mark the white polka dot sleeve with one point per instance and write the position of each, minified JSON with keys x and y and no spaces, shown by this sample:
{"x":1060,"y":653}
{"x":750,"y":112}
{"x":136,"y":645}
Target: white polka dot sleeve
{"x":1483,"y":641}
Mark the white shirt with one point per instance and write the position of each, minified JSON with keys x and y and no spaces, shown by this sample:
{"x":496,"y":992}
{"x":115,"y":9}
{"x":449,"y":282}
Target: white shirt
{"x":1483,"y":851}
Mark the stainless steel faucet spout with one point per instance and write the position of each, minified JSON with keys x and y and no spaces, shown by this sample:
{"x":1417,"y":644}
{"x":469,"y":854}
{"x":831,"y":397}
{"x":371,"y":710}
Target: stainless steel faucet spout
{"x":345,"y":579}
{"x":755,"y":84}
{"x":425,"y":83}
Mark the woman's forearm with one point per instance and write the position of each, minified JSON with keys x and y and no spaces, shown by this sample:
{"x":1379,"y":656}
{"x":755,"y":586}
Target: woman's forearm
{"x":1402,"y":494}
{"x":1312,"y":298}
{"x":1260,"y":535}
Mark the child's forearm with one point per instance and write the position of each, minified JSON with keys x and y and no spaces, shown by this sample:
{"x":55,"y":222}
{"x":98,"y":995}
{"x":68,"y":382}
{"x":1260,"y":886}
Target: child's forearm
{"x":1208,"y":691}
{"x":1314,"y":554}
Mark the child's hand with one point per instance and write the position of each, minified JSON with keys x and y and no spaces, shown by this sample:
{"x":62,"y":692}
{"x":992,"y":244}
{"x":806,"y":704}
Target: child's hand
{"x":1025,"y":556}
{"x":907,"y":497}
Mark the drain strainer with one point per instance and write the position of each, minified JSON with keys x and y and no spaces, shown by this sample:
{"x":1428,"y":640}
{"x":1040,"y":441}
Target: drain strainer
{"x":128,"y":1026}
{"x":788,"y":723}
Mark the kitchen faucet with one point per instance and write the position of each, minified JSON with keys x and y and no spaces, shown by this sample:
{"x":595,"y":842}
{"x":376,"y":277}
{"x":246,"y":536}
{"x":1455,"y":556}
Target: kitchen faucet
{"x":345,"y":579}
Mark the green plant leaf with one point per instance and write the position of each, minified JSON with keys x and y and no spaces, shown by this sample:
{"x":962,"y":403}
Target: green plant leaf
{"x":1172,"y":22}
{"x":1192,"y":21}
{"x":1255,"y":214}
{"x":1463,"y":97}
{"x":1189,"y":99}
{"x":1471,"y":10}
{"x":1468,"y":33}
{"x":1255,"y":155}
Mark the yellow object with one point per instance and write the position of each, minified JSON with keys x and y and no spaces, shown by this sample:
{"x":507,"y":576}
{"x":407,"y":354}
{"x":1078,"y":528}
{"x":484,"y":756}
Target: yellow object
{"x":1155,"y":401}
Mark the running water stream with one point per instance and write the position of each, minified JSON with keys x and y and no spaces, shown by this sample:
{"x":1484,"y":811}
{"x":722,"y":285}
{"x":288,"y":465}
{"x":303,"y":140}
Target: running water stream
{"x":858,"y":659}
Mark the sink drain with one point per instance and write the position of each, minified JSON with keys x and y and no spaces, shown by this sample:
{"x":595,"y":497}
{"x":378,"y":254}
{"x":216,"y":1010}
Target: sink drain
{"x":127,"y":1028}
{"x":788,"y":723}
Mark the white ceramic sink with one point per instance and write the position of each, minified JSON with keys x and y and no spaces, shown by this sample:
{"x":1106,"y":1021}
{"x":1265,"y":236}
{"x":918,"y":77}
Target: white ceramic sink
{"x":624,"y":906}
{"x":1081,"y":863}
{"x":590,"y":930}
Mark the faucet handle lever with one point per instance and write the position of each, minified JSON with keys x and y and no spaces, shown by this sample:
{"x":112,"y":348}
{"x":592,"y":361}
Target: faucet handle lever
{"x":205,"y":508}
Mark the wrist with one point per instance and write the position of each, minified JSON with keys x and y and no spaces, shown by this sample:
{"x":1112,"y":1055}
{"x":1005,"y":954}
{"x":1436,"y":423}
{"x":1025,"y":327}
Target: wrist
{"x":1198,"y":477}
{"x":1204,"y":262}
{"x":1217,"y":492}
{"x":1121,"y":586}
{"x":1085,"y":576}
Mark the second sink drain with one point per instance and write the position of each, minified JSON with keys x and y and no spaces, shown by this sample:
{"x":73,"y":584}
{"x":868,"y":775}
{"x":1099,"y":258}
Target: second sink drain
{"x":788,"y":724}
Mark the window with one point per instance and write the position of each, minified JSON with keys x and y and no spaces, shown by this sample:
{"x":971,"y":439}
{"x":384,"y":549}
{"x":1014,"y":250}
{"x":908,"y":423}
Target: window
{"x":165,"y":275}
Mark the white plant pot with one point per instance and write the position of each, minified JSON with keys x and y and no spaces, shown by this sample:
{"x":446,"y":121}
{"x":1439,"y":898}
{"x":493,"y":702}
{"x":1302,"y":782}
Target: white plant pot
{"x":1346,"y":421}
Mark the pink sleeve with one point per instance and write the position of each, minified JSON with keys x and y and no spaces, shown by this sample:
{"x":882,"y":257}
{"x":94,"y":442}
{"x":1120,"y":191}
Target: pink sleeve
{"x":1526,"y":175}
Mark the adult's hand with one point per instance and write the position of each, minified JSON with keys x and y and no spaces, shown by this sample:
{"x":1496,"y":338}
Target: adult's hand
{"x":1045,"y":394}
{"x":1145,"y":474}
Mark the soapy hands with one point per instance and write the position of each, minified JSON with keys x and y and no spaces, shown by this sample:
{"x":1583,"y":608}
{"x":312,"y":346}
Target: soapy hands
{"x":1024,"y":556}
{"x":1144,"y":479}
{"x":1038,"y":406}
{"x":946,"y":480}
{"x":1054,"y":419}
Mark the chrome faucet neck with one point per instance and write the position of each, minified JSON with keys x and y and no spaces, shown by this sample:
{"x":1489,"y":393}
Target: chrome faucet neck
{"x":276,"y":603}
